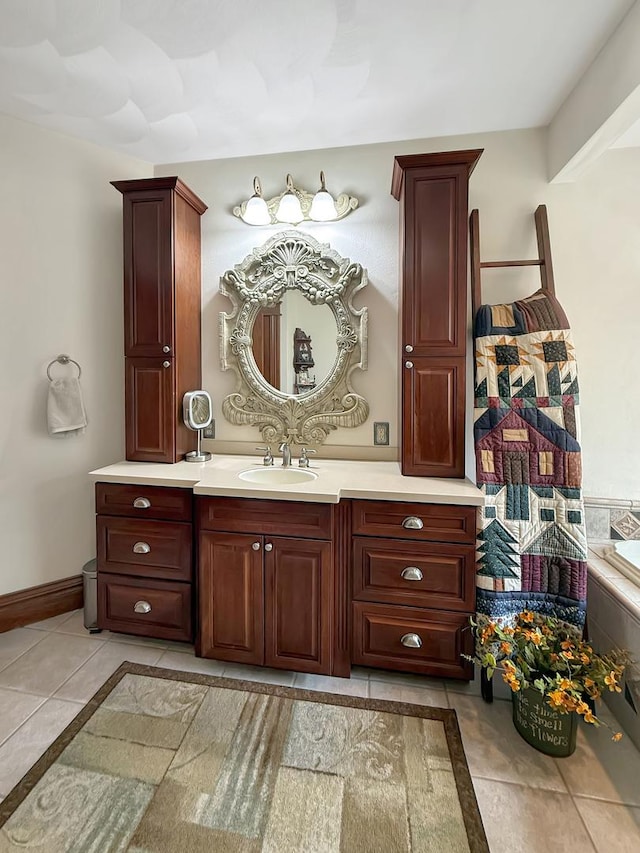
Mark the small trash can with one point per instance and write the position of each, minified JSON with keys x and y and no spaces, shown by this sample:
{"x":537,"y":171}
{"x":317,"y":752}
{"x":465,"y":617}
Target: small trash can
{"x":90,"y":591}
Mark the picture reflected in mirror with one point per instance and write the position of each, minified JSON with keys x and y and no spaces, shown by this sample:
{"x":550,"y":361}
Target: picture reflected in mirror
{"x":295,"y":344}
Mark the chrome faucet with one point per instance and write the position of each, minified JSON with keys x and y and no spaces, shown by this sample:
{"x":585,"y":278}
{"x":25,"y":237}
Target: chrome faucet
{"x":303,"y":462}
{"x":286,"y":454}
{"x":268,"y":456}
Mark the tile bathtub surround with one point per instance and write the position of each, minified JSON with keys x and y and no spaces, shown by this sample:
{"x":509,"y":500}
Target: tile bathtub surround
{"x":608,"y":518}
{"x":529,"y":802}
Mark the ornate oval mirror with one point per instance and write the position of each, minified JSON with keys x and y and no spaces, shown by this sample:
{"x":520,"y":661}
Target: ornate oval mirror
{"x":294,"y":338}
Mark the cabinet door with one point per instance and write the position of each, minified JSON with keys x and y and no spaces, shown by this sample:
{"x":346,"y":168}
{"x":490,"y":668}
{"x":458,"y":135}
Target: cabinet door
{"x":231,"y":598}
{"x":148,"y":273}
{"x":433,"y":417}
{"x":150,"y":407}
{"x":299,"y":591}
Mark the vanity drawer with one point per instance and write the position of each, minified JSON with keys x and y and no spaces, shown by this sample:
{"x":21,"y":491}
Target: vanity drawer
{"x":158,"y":502}
{"x":284,"y":518}
{"x":163,"y":608}
{"x":427,"y":522}
{"x":430,"y":574}
{"x":131,"y":546}
{"x":378,"y":632}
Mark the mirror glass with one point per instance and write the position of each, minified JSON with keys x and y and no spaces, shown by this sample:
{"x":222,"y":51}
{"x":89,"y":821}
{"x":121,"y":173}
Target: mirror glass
{"x":295,"y":344}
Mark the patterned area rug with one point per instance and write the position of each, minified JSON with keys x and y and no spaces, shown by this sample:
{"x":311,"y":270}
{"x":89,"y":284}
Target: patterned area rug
{"x":171,"y":761}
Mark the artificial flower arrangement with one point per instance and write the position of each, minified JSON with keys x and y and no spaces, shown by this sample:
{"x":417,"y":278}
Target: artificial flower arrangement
{"x":541,"y":652}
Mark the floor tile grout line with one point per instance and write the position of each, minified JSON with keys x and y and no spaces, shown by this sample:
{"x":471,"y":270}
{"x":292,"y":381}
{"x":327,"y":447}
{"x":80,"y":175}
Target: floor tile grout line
{"x":28,"y":717}
{"x":13,"y":660}
{"x":61,"y":685}
{"x":584,"y":823}
{"x":520,"y":784}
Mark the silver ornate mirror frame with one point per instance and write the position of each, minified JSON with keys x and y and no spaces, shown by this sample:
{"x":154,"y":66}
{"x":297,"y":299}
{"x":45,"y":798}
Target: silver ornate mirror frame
{"x":293,"y":260}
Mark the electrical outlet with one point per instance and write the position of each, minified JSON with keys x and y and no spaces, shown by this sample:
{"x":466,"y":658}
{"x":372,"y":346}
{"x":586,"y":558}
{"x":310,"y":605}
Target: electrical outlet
{"x":381,"y":432}
{"x":210,"y":431}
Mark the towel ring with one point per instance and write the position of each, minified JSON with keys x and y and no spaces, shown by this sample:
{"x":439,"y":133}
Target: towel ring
{"x":62,"y":359}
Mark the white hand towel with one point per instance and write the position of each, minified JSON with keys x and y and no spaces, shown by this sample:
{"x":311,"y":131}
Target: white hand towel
{"x":65,"y":407}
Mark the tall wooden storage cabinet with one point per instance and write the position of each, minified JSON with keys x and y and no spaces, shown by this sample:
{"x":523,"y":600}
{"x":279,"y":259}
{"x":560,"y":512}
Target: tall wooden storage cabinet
{"x":162,"y":307}
{"x":433,"y":193}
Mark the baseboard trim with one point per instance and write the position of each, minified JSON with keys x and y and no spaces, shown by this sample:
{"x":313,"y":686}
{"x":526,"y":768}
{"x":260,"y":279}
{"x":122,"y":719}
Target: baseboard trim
{"x":40,"y":602}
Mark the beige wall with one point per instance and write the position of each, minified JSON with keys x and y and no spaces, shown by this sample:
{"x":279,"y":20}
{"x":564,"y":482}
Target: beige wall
{"x":61,"y":291}
{"x":594,"y":233}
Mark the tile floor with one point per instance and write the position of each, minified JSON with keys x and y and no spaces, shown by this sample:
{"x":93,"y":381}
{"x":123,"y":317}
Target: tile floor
{"x":529,"y":802}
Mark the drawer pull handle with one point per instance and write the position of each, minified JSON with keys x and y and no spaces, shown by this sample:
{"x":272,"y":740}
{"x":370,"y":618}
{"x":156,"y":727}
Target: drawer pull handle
{"x":256,"y":546}
{"x":142,"y":607}
{"x":412,"y":522}
{"x":141,"y":548}
{"x":268,"y":547}
{"x":411,"y":573}
{"x":411,"y":641}
{"x":142,"y":503}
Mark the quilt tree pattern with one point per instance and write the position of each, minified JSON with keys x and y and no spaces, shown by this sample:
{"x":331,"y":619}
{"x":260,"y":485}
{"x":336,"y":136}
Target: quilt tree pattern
{"x":531,"y":550}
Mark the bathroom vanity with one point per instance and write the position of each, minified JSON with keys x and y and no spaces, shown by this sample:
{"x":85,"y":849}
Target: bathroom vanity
{"x":358,"y":566}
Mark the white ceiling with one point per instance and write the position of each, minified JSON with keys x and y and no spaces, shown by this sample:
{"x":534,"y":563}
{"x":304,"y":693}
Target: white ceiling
{"x":175,"y":80}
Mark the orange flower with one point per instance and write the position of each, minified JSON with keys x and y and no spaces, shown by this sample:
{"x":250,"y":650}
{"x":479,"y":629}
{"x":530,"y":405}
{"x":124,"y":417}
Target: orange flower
{"x":589,"y":682}
{"x":553,"y":657}
{"x":589,"y":718}
{"x":582,"y":708}
{"x":565,"y":684}
{"x":556,"y":698}
{"x":536,"y":638}
{"x":505,"y":648}
{"x":508,"y":665}
{"x":567,"y":644}
{"x":567,"y":655}
{"x":585,"y":658}
{"x":617,"y":736}
{"x":508,"y":631}
{"x":526,"y":616}
{"x":611,"y":682}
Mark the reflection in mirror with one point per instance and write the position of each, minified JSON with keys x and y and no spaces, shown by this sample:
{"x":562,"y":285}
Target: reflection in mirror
{"x":293,"y":327}
{"x":295,"y":343}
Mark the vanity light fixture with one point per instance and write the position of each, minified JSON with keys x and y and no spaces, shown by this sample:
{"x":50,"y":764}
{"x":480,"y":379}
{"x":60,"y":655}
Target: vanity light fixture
{"x":256,"y":211}
{"x":294,"y":205}
{"x":289,"y":209}
{"x":323,"y":207}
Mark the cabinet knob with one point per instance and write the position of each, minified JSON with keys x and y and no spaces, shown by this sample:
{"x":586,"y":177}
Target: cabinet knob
{"x":166,"y":364}
{"x":411,"y":641}
{"x":142,"y":607}
{"x":142,"y":503}
{"x":141,"y":548}
{"x":256,"y":546}
{"x":268,"y":547}
{"x":411,"y":573}
{"x":408,"y":365}
{"x":408,"y":348}
{"x":412,"y":522}
{"x":166,"y":349}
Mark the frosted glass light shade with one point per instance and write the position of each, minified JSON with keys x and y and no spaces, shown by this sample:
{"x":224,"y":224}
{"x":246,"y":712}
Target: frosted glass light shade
{"x":323,"y":207}
{"x":256,"y":211}
{"x":289,"y":209}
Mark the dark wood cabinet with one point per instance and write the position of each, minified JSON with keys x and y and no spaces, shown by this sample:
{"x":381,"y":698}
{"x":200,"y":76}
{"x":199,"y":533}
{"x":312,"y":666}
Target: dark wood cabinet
{"x":299,"y":589}
{"x":231,"y":597}
{"x":265,"y":598}
{"x":433,"y":193}
{"x":145,"y":560}
{"x":413,"y":586}
{"x":162,"y":296}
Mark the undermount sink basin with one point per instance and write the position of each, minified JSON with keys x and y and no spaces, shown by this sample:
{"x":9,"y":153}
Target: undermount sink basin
{"x":278,"y":476}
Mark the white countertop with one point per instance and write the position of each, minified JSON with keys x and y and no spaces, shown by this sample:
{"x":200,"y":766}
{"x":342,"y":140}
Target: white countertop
{"x":336,"y":479}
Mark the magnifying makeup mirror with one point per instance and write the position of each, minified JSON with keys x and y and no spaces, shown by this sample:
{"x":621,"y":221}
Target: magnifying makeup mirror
{"x":197,"y":413}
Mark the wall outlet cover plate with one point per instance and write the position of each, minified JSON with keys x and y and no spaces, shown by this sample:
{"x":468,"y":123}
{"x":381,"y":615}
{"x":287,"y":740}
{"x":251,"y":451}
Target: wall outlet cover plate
{"x":381,"y":432}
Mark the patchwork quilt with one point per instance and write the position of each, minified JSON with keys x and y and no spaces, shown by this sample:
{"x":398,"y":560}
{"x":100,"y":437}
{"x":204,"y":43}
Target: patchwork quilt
{"x":531,"y":550}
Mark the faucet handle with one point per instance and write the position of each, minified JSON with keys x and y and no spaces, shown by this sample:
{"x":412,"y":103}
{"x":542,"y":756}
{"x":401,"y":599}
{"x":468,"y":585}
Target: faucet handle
{"x":268,"y":456}
{"x":303,"y":461}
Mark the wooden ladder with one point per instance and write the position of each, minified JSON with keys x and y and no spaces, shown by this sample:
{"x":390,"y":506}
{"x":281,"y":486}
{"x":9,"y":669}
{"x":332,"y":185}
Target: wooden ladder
{"x":544,"y":261}
{"x":548,"y":284}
